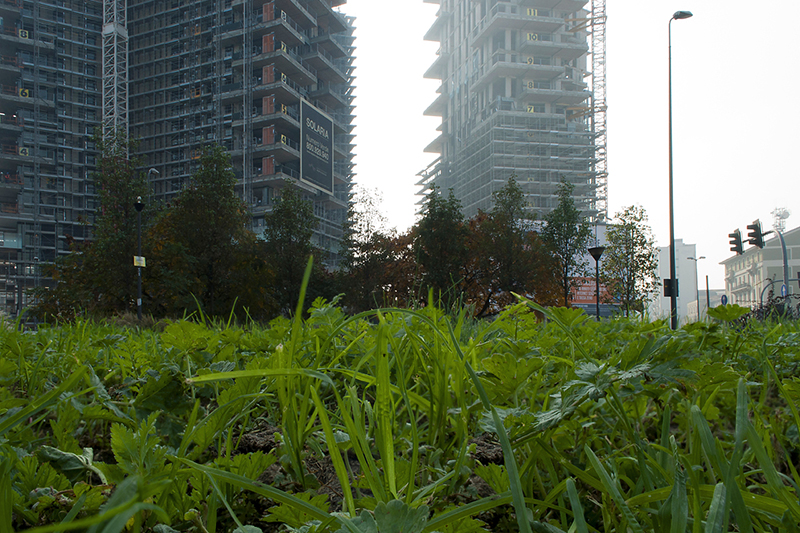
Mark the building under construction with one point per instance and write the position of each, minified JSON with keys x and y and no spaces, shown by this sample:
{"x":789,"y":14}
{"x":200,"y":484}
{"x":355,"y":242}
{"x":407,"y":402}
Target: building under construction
{"x":522,"y":94}
{"x":271,"y":81}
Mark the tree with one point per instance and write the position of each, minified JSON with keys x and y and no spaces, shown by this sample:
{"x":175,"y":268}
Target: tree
{"x":506,"y":256}
{"x":630,"y":265}
{"x":203,"y":249}
{"x":289,"y":228}
{"x":566,"y":235}
{"x":440,"y":244}
{"x":378,"y":266}
{"x":99,"y":276}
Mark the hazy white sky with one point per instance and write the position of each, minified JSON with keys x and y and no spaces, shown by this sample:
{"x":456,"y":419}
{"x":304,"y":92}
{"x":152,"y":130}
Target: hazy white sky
{"x":735,"y":113}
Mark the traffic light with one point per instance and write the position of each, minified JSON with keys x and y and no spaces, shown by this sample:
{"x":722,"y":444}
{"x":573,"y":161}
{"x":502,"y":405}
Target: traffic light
{"x":736,"y":242}
{"x":756,"y":238}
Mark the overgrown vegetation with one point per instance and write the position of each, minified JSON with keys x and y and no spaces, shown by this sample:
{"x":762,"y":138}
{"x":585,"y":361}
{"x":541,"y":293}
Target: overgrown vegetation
{"x":401,"y":420}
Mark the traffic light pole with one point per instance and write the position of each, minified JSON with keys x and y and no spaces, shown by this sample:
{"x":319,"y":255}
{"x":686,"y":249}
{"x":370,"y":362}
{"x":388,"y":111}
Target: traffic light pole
{"x":785,"y":263}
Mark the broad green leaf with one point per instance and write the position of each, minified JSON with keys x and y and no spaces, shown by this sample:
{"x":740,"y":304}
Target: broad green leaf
{"x":294,"y":516}
{"x":75,"y":467}
{"x":728,"y":313}
{"x":397,"y":517}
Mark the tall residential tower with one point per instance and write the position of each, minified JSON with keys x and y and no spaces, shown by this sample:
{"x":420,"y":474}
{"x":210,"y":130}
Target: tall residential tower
{"x":243,"y":73}
{"x":515,"y":100}
{"x":50,"y":67}
{"x":271,"y":81}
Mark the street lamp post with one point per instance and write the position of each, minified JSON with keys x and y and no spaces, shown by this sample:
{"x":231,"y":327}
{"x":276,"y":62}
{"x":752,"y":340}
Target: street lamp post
{"x":673,"y":296}
{"x":139,"y":205}
{"x":696,"y":282}
{"x":596,"y":252}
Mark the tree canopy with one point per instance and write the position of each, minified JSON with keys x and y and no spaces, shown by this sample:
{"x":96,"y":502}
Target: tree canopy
{"x":440,"y":245}
{"x":566,"y":235}
{"x":630,"y":261}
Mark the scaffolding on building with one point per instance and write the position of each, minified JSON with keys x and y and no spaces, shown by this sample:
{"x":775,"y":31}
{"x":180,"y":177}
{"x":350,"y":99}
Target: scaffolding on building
{"x":115,"y":67}
{"x":49,"y":61}
{"x":599,"y":105}
{"x":517,"y":104}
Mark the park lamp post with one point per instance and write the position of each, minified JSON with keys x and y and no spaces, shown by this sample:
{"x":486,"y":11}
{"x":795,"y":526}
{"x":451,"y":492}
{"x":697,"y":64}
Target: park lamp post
{"x":139,"y":205}
{"x":696,"y":282}
{"x":673,"y":285}
{"x":596,"y":252}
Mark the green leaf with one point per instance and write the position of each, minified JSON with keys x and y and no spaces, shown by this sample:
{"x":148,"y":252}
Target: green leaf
{"x":728,"y":313}
{"x":495,"y":475}
{"x":363,"y":523}
{"x":295,"y":516}
{"x":680,"y":502}
{"x":138,"y":452}
{"x":74,"y":467}
{"x":10,"y":420}
{"x":613,"y":490}
{"x":577,"y":509}
{"x":397,"y":517}
{"x":717,"y":510}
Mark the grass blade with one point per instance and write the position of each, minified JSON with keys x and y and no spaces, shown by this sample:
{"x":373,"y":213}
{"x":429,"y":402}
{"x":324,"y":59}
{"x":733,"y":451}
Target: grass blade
{"x":716,"y":512}
{"x":577,"y":509}
{"x":335,"y":454}
{"x":612,"y":489}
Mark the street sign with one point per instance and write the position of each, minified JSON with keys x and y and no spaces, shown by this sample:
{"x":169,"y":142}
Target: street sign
{"x":724,"y":299}
{"x":139,"y":261}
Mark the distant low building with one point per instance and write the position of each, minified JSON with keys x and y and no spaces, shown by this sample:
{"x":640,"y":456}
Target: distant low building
{"x":750,"y":277}
{"x":686,"y":272}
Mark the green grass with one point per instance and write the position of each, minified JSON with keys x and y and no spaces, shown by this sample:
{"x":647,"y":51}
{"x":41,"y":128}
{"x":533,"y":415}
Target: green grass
{"x":401,"y":420}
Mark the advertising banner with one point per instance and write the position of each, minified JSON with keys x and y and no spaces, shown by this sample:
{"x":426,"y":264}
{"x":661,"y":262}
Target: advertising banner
{"x":316,"y":147}
{"x":585,"y":292}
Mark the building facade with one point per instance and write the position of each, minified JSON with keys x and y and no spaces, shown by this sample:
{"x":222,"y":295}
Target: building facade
{"x":686,"y":270}
{"x":241,"y":73}
{"x":244,"y":73}
{"x":751,"y":276}
{"x":50,"y":67}
{"x":514,"y":101}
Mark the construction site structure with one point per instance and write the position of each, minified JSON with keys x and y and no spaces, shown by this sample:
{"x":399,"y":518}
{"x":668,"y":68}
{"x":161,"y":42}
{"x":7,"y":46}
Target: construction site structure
{"x":514,"y":101}
{"x":50,"y":105}
{"x":178,"y":75}
{"x":235,"y":72}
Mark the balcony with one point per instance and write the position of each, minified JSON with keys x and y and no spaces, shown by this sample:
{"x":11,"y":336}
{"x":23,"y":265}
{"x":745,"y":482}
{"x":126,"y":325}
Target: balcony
{"x":435,"y":147}
{"x":541,"y":93}
{"x":435,"y":31}
{"x":563,"y":46}
{"x":332,"y":97}
{"x":298,"y":10}
{"x":336,"y":44}
{"x":287,"y":61}
{"x":515,"y":65}
{"x":436,"y":71}
{"x":436,"y":109}
{"x":282,"y":25}
{"x":324,"y":63}
{"x":514,"y":17}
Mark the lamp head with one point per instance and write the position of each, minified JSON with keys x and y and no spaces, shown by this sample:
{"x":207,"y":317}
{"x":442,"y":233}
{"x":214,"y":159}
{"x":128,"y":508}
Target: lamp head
{"x":682,"y":15}
{"x":597,"y":252}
